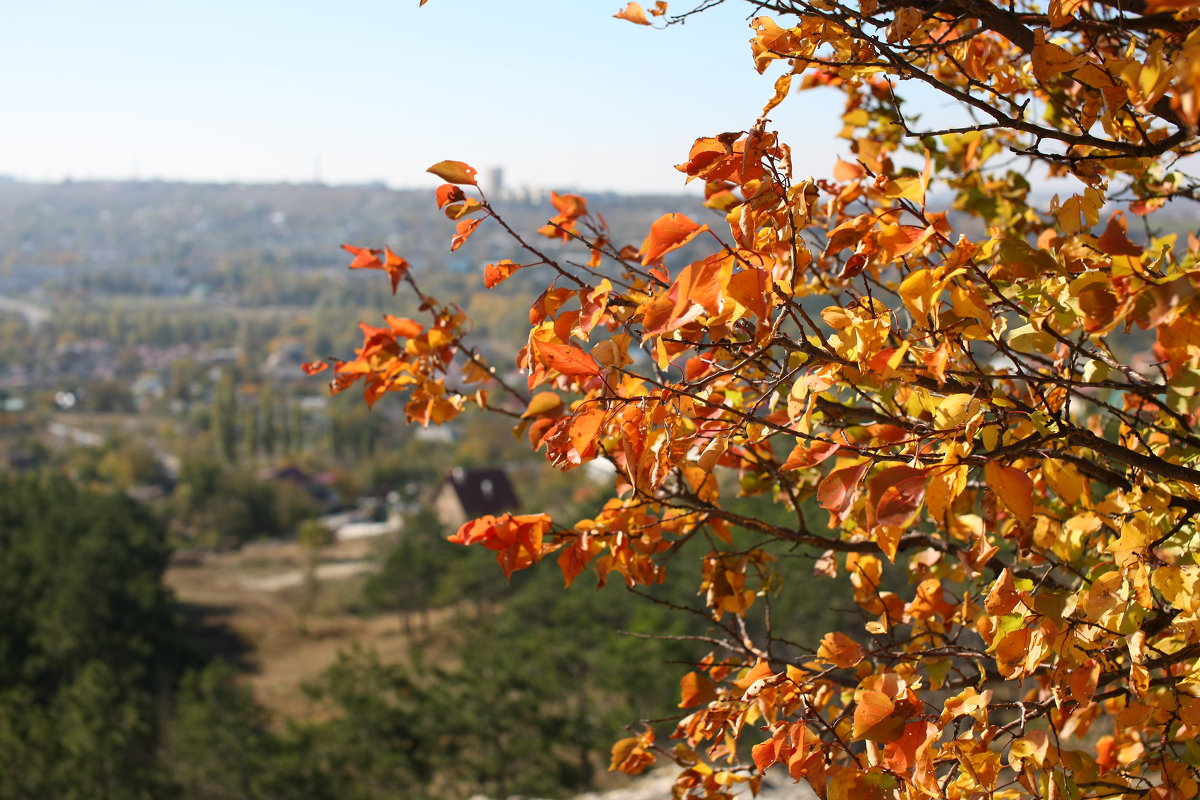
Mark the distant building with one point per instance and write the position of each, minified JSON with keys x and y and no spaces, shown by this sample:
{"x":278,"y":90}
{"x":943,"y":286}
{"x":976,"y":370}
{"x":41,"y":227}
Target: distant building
{"x":319,"y":487}
{"x":284,"y":364}
{"x":469,"y":493}
{"x":494,"y":183}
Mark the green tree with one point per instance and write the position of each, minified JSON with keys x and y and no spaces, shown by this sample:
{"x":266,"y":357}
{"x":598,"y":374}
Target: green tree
{"x":88,"y":643}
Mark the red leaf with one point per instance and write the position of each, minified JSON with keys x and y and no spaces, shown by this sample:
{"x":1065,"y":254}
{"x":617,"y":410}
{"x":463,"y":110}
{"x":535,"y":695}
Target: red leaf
{"x":565,"y":358}
{"x":1114,"y":242}
{"x":364,"y":258}
{"x":313,"y":367}
{"x":395,"y":266}
{"x":454,"y":172}
{"x":448,"y":193}
{"x":896,"y":494}
{"x":669,"y":232}
{"x":839,"y":489}
{"x":464,"y":231}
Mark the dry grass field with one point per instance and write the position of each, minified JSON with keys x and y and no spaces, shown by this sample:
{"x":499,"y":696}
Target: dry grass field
{"x":246,"y":605}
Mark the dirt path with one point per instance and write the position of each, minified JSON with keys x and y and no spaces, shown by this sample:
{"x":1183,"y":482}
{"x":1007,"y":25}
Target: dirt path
{"x":253,"y":595}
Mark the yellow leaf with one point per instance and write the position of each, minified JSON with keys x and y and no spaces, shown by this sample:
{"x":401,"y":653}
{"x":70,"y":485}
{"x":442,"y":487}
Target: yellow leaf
{"x":1064,"y":479}
{"x":454,"y":172}
{"x":954,"y":410}
{"x":1050,"y":60}
{"x":918,"y":291}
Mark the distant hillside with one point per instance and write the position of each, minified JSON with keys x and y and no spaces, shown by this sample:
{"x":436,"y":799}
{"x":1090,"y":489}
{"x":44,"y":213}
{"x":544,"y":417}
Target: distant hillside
{"x":182,"y":233}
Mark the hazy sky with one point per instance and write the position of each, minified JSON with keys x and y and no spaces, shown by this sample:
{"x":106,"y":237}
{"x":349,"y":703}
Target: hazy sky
{"x":557,"y":92}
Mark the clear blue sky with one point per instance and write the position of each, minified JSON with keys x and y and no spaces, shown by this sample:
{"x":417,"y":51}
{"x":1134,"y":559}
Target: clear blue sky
{"x":557,"y":92}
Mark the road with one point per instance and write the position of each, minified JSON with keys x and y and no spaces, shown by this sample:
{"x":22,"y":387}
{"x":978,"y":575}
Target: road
{"x":34,"y":315}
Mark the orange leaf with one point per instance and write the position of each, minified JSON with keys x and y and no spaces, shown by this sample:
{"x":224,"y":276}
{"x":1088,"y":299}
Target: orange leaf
{"x":402,"y":326}
{"x":463,"y":232}
{"x":764,"y":754}
{"x":633,"y":755}
{"x":902,"y":754}
{"x":634,"y":13}
{"x":313,"y":367}
{"x":840,"y":650}
{"x":364,"y":257}
{"x":565,"y":358}
{"x":448,"y":193}
{"x":1084,"y":681}
{"x":454,"y":172}
{"x":1003,"y":596}
{"x":498,"y":272}
{"x":584,"y":430}
{"x":669,"y":232}
{"x":1014,"y":488}
{"x":394,"y":266}
{"x":873,"y":718}
{"x":844,"y":171}
{"x":697,"y":689}
{"x":809,"y":454}
{"x":576,"y":555}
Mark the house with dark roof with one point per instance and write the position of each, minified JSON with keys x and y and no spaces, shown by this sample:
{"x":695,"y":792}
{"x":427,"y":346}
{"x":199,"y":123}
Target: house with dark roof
{"x":469,"y":493}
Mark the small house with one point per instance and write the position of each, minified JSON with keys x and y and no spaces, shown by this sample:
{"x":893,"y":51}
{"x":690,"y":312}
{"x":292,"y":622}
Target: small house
{"x":466,"y":494}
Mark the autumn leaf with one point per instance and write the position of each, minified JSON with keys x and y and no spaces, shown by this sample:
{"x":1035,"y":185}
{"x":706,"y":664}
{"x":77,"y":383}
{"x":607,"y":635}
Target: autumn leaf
{"x":1084,"y":681}
{"x":543,"y":403}
{"x":668,"y":233}
{"x":454,"y":172}
{"x":498,"y":272}
{"x":1014,"y":488}
{"x":403,"y":327}
{"x":632,"y":755}
{"x":395,"y":266}
{"x":1050,"y":60}
{"x":874,"y":719}
{"x":989,"y":386}
{"x":808,"y":454}
{"x":633,"y":13}
{"x":896,"y":494}
{"x":364,"y":258}
{"x":838,"y":490}
{"x":462,"y":232}
{"x":840,"y":650}
{"x":448,"y":193}
{"x":1114,"y":240}
{"x":697,"y":689}
{"x":565,"y":358}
